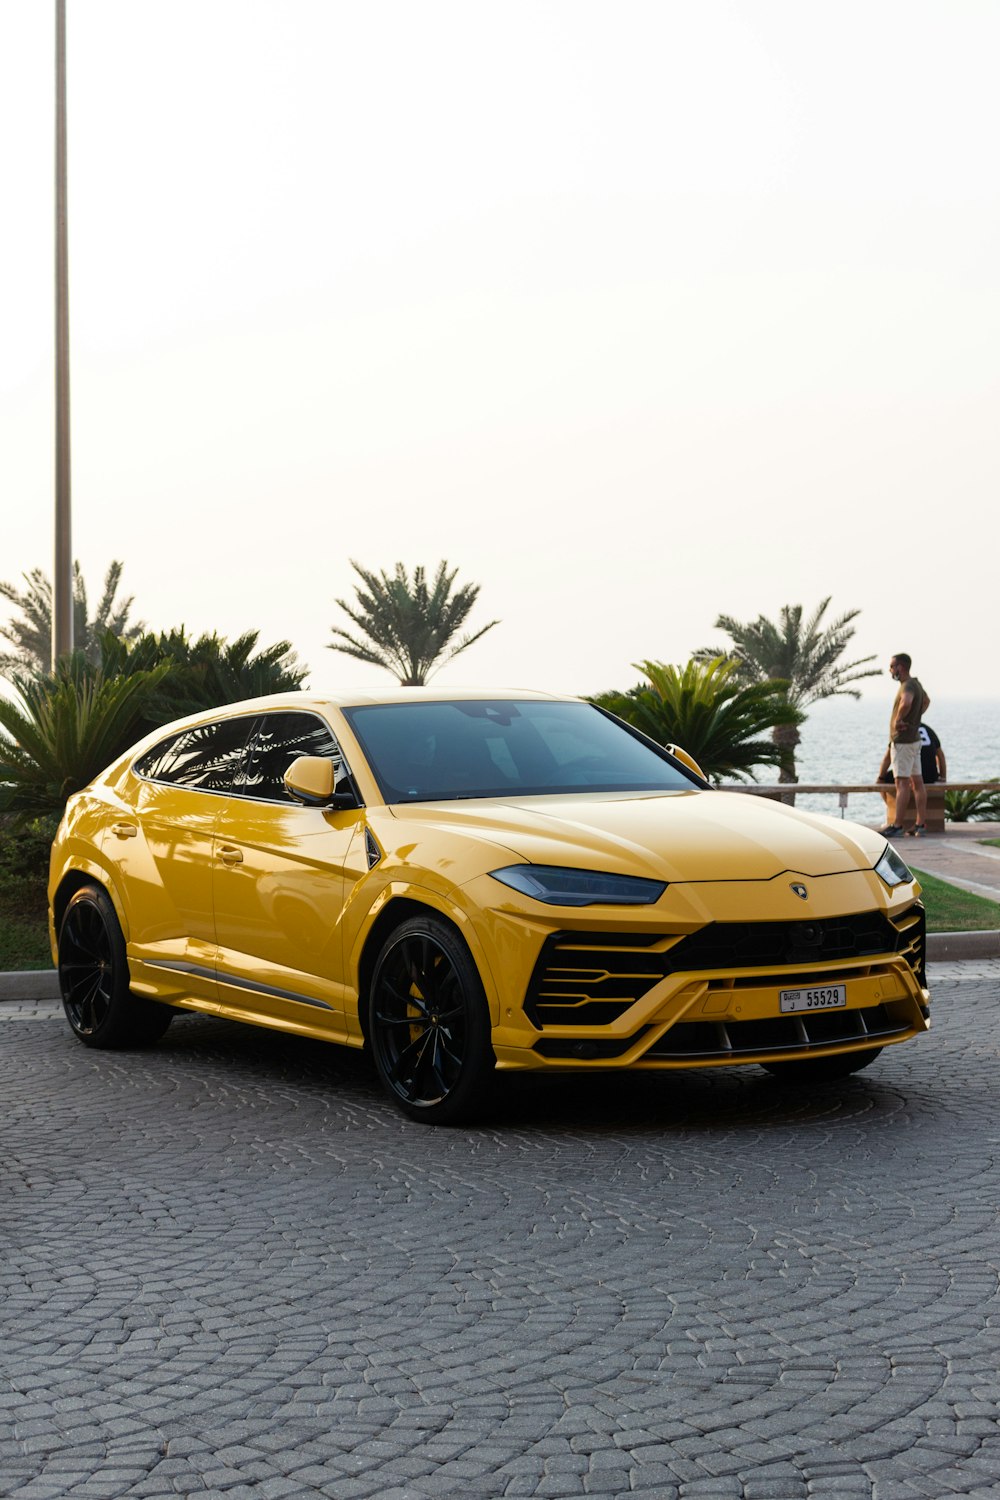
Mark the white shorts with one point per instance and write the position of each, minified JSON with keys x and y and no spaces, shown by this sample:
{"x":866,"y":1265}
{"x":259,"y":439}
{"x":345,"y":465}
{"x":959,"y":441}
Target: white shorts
{"x":905,"y":759}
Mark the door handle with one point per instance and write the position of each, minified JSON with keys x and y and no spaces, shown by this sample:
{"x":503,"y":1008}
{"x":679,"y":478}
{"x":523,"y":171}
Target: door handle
{"x":230,"y":855}
{"x":124,"y":830}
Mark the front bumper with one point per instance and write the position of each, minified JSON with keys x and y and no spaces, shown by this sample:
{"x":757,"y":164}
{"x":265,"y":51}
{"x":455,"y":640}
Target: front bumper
{"x":710,"y":998}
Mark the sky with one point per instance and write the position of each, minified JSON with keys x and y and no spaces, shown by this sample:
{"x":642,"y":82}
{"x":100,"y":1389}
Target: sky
{"x":636,"y":313}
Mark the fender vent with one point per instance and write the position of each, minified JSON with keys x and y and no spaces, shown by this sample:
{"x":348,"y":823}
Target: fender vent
{"x":372,"y":850}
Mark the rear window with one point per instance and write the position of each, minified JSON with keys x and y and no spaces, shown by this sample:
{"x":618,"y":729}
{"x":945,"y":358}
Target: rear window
{"x":206,"y":758}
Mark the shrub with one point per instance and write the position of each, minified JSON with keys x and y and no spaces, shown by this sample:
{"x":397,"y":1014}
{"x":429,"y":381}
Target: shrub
{"x":24,"y":863}
{"x":73,"y":724}
{"x":705,"y":709}
{"x":973,"y":807}
{"x":67,"y":729}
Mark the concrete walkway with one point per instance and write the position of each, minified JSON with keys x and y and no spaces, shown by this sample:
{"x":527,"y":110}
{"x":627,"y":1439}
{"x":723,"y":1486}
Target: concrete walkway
{"x":959,"y":856}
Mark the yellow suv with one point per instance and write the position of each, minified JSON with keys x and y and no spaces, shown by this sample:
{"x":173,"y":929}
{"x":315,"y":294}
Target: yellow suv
{"x":467,"y":883}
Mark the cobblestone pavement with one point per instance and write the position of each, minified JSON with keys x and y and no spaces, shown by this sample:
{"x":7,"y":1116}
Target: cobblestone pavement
{"x":231,"y":1269}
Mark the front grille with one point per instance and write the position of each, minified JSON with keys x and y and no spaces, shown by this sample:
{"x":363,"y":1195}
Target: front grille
{"x":590,"y":979}
{"x":692,"y":1040}
{"x":768,"y":945}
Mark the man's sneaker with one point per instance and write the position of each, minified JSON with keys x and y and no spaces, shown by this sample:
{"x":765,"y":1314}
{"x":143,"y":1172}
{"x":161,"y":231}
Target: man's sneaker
{"x":917,"y":831}
{"x":891,"y":831}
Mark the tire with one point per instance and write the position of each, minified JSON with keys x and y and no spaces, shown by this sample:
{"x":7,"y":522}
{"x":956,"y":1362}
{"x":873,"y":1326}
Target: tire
{"x":808,"y":1070}
{"x":429,"y":1024}
{"x":94,"y":978}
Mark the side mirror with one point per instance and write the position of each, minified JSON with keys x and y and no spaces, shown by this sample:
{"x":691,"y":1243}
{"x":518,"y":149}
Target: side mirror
{"x":311,"y":779}
{"x":686,"y":760}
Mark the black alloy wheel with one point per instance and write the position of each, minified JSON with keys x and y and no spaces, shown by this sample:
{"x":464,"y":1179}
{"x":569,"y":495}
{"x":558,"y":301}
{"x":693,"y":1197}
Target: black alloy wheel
{"x":428,"y":1024}
{"x":808,"y":1070}
{"x":94,"y":977}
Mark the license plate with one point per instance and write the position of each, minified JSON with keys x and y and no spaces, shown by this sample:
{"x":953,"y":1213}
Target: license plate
{"x":824,"y":997}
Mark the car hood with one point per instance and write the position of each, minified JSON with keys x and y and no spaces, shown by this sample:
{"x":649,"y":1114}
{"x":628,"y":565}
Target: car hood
{"x":673,"y":836}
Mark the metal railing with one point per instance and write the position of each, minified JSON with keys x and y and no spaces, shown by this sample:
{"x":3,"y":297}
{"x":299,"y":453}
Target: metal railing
{"x":786,"y":791}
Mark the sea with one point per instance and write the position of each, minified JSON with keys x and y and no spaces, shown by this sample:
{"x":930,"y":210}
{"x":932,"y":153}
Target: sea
{"x":843,"y":741}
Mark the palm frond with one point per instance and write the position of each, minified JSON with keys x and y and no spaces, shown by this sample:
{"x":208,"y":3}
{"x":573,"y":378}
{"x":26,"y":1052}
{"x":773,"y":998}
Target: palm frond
{"x":29,"y":632}
{"x":981,"y":806}
{"x":66,"y":730}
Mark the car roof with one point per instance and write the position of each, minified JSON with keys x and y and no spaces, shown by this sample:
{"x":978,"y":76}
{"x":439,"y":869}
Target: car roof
{"x":441,"y":695}
{"x":364,"y":697}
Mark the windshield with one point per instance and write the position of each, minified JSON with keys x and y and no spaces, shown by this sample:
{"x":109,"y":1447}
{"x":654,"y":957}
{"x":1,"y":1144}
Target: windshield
{"x":436,"y":752}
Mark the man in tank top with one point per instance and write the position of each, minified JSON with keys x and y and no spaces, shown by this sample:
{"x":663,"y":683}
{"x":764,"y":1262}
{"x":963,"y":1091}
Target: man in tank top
{"x":904,"y":746}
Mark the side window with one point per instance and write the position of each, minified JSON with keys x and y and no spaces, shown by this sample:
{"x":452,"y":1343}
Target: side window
{"x":206,"y":757}
{"x":280,"y":739}
{"x":148,"y":765}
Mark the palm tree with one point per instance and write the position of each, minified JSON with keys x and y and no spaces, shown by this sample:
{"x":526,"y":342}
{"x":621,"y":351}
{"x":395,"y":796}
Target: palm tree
{"x":408,"y":627}
{"x":66,"y":729}
{"x":705,"y":709}
{"x":805,"y":656}
{"x":31,"y":636}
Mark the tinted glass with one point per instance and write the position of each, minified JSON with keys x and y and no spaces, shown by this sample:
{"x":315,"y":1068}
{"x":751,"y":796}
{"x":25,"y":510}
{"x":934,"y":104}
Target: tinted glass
{"x":206,"y":757}
{"x":150,"y":763}
{"x":280,"y":739}
{"x":430,"y":752}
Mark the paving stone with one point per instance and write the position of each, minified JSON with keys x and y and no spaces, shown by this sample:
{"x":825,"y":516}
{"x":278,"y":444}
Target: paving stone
{"x":792,"y":1488}
{"x":248,"y":1276}
{"x":656,"y":1480}
{"x":604,"y":1482}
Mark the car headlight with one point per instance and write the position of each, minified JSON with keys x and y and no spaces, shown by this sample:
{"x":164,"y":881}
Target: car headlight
{"x":560,"y":887}
{"x":892,"y":869}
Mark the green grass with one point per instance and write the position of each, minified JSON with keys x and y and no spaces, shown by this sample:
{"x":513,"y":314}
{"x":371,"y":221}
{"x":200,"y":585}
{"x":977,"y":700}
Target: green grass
{"x":995,"y":843}
{"x":950,"y":909}
{"x":24,"y":941}
{"x":24,"y":864}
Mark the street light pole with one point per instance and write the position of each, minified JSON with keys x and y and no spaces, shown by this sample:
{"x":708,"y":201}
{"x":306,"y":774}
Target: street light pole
{"x":62,"y":588}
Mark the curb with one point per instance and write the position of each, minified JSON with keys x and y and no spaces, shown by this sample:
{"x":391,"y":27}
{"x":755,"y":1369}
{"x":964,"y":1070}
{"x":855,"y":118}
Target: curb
{"x":30,"y":984}
{"x":43,"y":984}
{"x":959,"y":945}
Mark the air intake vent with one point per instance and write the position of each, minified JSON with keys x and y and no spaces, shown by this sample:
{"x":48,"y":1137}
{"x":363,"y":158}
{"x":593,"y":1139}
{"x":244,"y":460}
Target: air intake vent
{"x":912,"y":928}
{"x":372,"y":849}
{"x":728,"y":1040}
{"x":589,"y":979}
